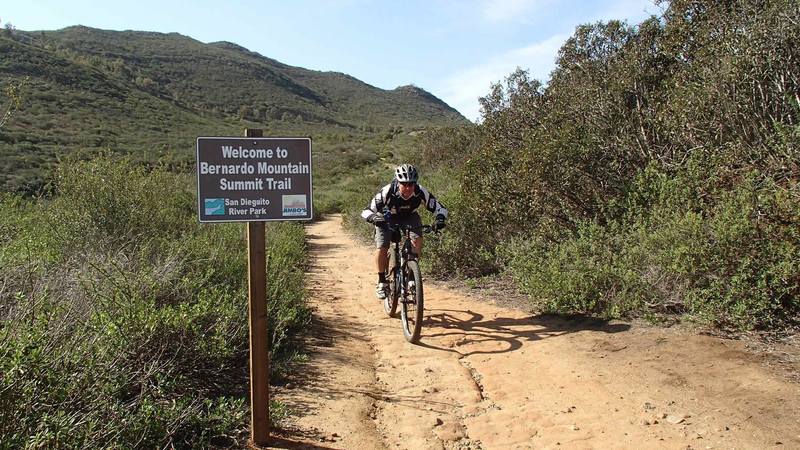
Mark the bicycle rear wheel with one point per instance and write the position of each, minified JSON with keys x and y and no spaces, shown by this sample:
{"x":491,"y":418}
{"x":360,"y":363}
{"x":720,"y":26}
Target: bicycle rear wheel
{"x":390,"y":301}
{"x":412,"y":304}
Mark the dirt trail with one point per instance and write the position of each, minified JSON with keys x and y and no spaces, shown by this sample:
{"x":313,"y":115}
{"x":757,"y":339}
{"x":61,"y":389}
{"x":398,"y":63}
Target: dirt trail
{"x":488,"y":377}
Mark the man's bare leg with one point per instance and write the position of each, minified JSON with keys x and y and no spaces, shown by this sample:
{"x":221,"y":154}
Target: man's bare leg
{"x":417,"y":243}
{"x":382,"y":259}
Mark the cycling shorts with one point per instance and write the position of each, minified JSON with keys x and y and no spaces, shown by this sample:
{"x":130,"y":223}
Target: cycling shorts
{"x":383,"y":236}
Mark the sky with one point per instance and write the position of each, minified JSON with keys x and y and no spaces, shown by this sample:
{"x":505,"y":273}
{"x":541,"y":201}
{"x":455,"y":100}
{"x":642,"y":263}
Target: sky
{"x":454,"y":49}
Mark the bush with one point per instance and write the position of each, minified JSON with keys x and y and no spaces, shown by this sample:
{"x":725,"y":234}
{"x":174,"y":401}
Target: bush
{"x":587,"y":274}
{"x":657,"y":170}
{"x":733,"y":265}
{"x":125,"y":320}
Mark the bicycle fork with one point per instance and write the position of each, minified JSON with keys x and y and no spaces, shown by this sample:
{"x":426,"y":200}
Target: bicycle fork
{"x":408,"y":285}
{"x":404,"y":286}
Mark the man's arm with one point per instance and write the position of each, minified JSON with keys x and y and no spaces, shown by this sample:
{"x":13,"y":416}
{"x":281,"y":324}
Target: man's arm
{"x":432,"y":204}
{"x":376,"y":204}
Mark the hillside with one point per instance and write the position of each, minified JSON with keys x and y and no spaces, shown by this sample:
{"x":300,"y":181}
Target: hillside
{"x":151,"y":94}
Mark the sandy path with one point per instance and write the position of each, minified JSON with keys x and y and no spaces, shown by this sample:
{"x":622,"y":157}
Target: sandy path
{"x":487,"y":377}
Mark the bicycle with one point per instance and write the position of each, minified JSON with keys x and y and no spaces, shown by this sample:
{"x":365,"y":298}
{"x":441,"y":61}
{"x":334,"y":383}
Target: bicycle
{"x":405,"y":283}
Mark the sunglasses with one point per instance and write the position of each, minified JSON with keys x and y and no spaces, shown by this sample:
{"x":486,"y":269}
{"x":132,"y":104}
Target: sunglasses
{"x":407,"y":183}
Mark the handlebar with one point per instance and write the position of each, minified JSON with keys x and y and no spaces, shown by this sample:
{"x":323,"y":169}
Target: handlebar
{"x":425,"y":229}
{"x":405,"y":227}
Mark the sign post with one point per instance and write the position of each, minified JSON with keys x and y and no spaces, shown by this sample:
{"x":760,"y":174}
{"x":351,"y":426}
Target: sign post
{"x":255,"y":179}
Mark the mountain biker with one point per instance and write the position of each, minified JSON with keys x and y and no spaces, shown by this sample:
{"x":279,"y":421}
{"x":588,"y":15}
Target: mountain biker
{"x":400,"y":198}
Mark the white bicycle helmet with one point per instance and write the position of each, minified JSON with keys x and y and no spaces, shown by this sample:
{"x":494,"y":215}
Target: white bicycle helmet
{"x":406,"y":173}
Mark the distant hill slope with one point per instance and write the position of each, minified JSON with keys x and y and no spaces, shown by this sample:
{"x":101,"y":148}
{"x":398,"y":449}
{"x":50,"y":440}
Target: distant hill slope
{"x":153,"y":93}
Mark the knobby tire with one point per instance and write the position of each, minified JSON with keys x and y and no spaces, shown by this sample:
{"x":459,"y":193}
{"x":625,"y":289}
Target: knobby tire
{"x":412,"y":308}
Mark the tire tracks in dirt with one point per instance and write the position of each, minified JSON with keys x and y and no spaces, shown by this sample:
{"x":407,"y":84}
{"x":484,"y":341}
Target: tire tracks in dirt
{"x":488,"y":377}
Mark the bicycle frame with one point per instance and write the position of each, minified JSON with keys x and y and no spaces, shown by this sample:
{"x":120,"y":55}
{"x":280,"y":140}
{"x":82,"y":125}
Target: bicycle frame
{"x":404,"y":254}
{"x":403,"y":269}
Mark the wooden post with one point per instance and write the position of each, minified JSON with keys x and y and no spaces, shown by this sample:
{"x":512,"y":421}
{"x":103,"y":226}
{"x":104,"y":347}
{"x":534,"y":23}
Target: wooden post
{"x":259,"y":354}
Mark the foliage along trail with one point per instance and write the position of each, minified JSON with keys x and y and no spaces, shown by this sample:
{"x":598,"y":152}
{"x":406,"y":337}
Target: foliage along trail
{"x":489,"y":377}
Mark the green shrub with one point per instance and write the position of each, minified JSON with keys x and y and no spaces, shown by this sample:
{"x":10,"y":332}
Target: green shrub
{"x":124,"y":320}
{"x":588,"y":274}
{"x":656,"y":171}
{"x":734,"y":265}
{"x":466,"y":246}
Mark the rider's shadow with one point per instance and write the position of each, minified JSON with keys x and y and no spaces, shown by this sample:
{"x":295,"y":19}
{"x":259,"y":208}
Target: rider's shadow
{"x":470,"y":333}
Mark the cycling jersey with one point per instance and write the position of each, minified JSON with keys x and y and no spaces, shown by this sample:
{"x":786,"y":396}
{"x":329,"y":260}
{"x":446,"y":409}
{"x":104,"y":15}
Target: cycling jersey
{"x":389,"y":197}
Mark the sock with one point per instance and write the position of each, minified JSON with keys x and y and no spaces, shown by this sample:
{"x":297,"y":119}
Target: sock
{"x":381,"y":277}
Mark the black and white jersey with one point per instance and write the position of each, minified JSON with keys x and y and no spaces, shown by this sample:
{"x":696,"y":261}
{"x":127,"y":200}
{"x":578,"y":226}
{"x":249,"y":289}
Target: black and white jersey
{"x":389,"y":197}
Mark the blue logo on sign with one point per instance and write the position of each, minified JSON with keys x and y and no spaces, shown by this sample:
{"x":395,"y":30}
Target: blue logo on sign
{"x":215,"y":206}
{"x":295,"y":205}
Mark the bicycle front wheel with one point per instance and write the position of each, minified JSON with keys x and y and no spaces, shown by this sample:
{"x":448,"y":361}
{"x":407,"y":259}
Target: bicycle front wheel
{"x":412,"y":303}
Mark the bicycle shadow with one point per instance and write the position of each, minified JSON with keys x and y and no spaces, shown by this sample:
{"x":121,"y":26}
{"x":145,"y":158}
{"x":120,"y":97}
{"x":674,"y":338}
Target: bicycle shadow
{"x":502,"y":334}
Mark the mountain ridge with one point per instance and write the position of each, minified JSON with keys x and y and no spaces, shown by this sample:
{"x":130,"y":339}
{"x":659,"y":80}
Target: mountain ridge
{"x":152,"y":94}
{"x":85,"y":40}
